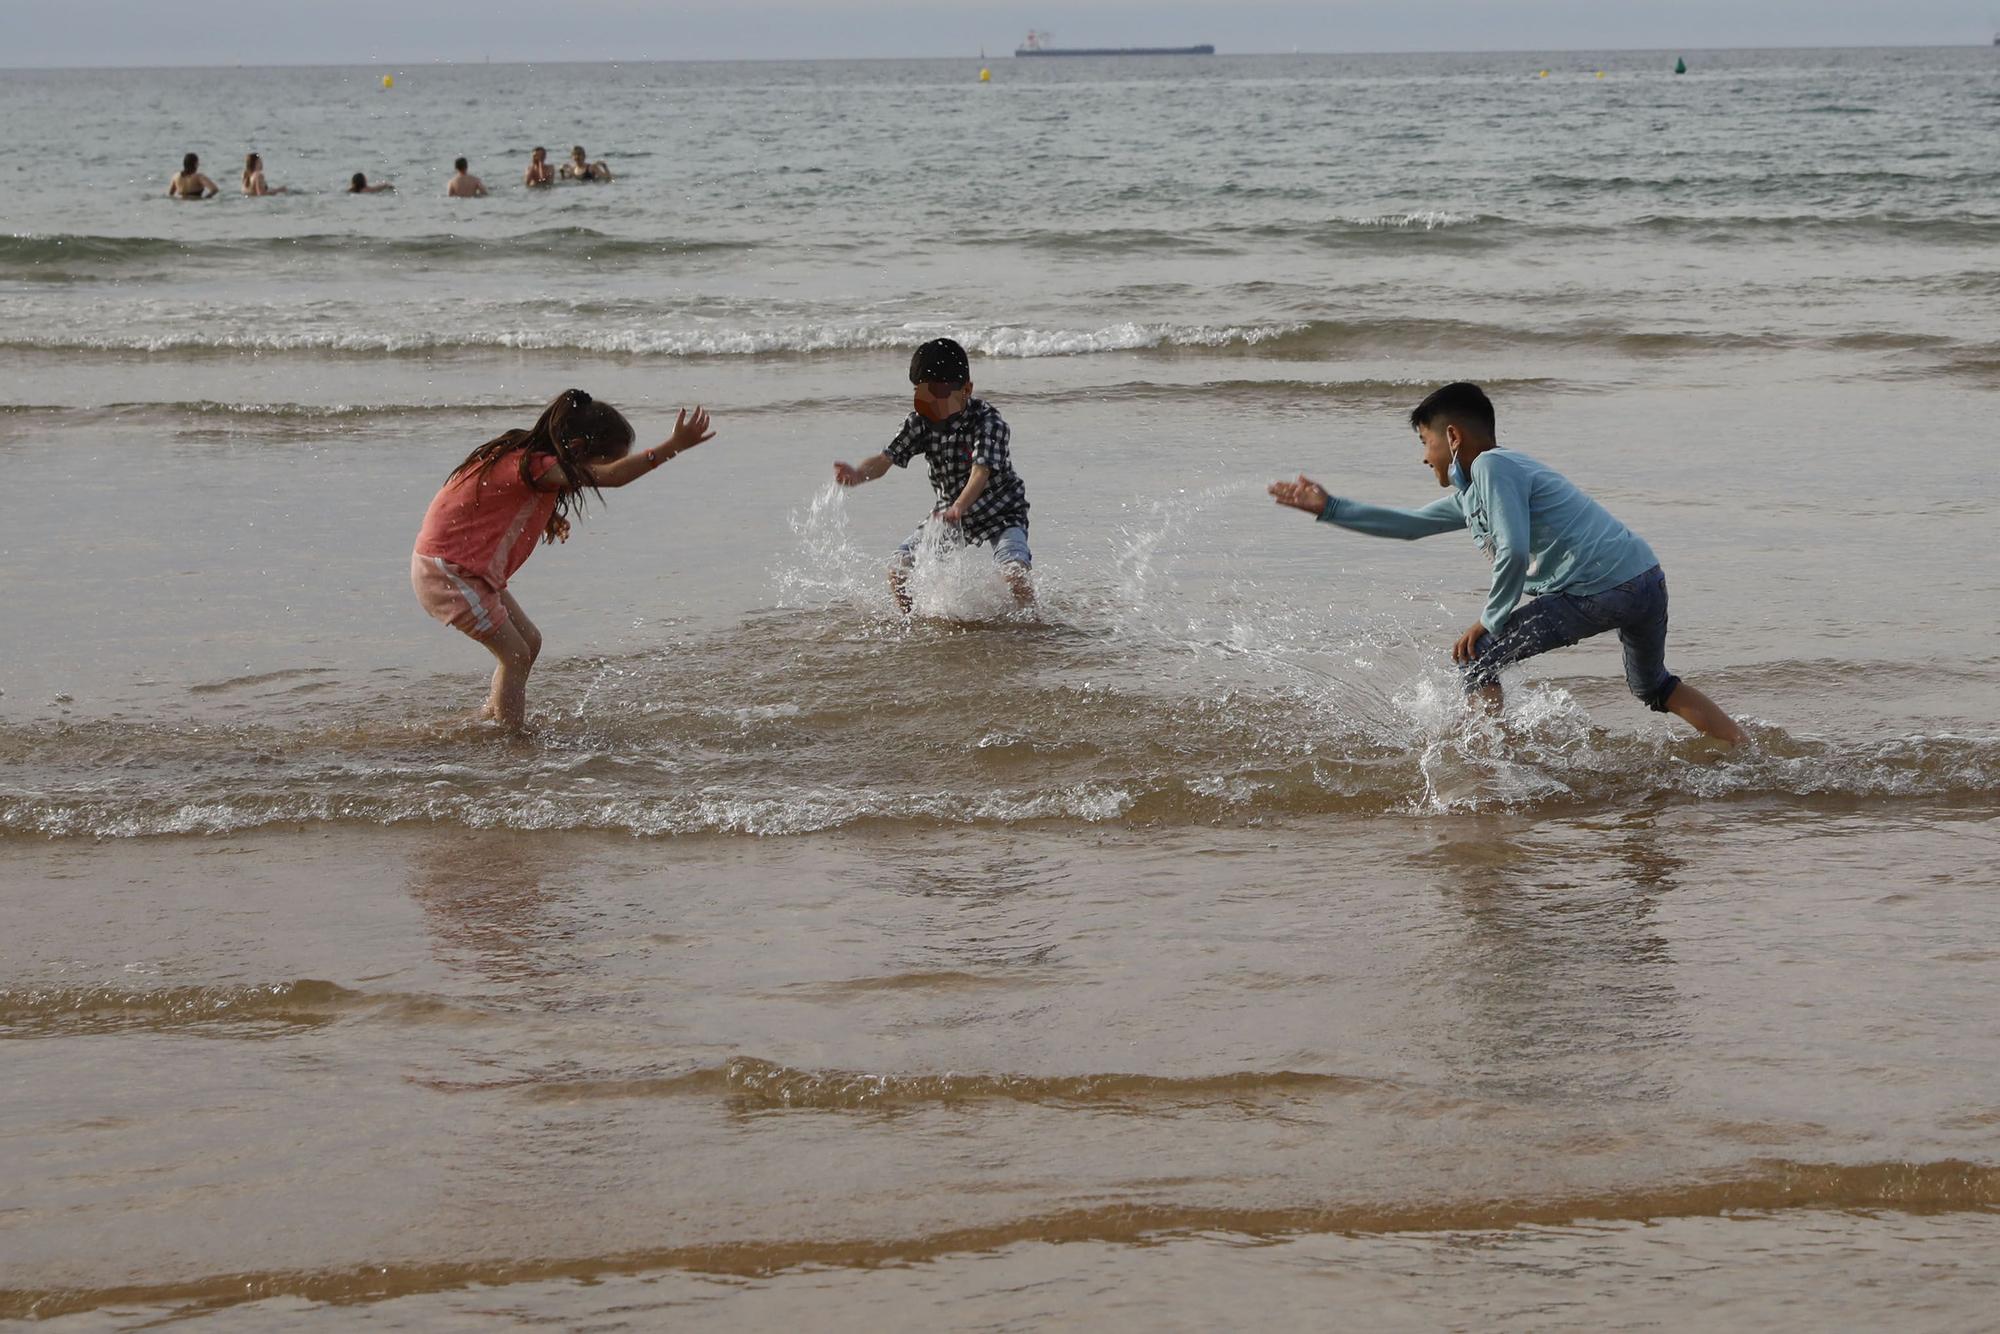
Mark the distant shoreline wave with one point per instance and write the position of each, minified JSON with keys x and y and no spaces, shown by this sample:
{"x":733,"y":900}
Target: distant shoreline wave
{"x":1302,"y":339}
{"x":31,"y":249}
{"x":278,"y":415}
{"x":51,"y":256}
{"x":1008,"y":341}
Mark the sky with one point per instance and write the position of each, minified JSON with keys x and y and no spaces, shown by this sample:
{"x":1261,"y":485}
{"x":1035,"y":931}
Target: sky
{"x":41,"y":33}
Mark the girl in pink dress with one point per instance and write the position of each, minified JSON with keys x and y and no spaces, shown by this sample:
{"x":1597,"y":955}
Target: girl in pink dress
{"x":519,"y":488}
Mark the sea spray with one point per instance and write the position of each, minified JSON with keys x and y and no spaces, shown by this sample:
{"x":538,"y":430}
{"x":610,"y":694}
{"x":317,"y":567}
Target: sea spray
{"x":948,"y":580}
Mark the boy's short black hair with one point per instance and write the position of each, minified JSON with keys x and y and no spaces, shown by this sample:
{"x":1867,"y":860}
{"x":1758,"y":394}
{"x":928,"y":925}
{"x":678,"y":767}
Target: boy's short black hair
{"x":942,"y":360}
{"x":1462,"y":405}
{"x":458,"y":164}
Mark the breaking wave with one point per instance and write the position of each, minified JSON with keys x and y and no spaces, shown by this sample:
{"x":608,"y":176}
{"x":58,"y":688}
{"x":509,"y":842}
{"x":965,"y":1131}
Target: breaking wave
{"x":790,"y":340}
{"x":732,"y":748}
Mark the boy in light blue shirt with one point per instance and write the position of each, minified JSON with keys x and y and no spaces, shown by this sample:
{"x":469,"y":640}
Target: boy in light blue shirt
{"x":1588,"y":572}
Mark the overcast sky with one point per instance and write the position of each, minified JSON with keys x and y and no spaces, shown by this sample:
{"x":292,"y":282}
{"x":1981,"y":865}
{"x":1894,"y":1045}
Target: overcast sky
{"x":230,"y":32}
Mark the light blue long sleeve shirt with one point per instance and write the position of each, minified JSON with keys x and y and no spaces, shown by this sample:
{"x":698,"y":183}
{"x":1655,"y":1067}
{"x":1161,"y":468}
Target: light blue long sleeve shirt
{"x":1542,"y":534}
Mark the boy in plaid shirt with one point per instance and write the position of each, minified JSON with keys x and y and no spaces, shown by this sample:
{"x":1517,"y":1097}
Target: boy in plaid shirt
{"x":980,"y":497}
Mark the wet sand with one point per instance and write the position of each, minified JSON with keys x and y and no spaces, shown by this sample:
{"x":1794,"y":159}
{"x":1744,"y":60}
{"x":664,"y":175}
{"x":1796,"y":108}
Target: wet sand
{"x":364,"y":1065}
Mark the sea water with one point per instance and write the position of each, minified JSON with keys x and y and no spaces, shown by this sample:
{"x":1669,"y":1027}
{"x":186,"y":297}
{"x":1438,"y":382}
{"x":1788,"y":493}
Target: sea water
{"x":1174,"y":950}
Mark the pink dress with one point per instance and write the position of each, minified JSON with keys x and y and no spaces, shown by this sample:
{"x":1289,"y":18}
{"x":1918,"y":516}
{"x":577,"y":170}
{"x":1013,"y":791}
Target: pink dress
{"x":479,"y":529}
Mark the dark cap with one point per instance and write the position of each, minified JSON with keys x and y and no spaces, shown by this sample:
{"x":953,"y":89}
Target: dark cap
{"x":940,"y":359}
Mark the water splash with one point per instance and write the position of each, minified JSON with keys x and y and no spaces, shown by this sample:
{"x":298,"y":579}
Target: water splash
{"x":949,"y":580}
{"x":829,"y":568}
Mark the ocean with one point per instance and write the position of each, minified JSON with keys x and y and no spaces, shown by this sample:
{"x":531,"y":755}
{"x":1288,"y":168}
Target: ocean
{"x":1176,"y":956}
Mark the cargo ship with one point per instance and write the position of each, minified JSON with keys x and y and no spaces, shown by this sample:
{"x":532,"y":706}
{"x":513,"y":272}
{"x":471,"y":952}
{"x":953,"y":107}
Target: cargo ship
{"x":1037,"y":44}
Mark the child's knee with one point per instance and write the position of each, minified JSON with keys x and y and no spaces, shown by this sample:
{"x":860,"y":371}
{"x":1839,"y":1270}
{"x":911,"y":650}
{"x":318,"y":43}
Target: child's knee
{"x":514,"y":649}
{"x":1654,"y":694}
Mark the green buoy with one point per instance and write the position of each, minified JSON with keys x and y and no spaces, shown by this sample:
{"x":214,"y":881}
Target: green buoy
{"x":1680,"y":66}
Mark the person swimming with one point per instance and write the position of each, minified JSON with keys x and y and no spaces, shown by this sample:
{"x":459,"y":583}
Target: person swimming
{"x":539,"y":172}
{"x":581,"y":168}
{"x":254,"y":184}
{"x":358,"y":185}
{"x":189,"y":183}
{"x":463,"y":184}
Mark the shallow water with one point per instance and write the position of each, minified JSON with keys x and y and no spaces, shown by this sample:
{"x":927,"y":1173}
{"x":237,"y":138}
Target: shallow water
{"x":1177,"y":953}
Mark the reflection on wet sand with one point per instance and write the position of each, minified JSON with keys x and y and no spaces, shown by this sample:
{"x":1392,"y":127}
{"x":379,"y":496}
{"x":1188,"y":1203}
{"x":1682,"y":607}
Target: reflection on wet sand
{"x":1564,"y":979}
{"x":493,"y":902}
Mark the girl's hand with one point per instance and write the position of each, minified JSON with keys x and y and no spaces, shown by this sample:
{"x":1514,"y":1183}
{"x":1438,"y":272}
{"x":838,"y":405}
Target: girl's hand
{"x":690,"y":431}
{"x":1304,"y":494}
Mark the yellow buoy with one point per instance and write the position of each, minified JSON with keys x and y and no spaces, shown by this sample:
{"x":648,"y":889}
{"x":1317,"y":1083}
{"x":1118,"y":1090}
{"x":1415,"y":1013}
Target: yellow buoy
{"x":1543,"y":75}
{"x":986,"y":76}
{"x":388,"y":81}
{"x":1600,"y":74}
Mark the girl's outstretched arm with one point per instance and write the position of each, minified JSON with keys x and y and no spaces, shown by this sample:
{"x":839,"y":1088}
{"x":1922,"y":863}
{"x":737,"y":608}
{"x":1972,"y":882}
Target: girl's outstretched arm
{"x":690,"y":429}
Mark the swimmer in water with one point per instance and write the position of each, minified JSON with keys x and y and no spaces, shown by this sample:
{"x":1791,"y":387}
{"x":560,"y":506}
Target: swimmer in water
{"x":189,"y":183}
{"x":539,"y":172}
{"x":581,"y":168}
{"x":254,"y":184}
{"x":358,"y":185}
{"x":464,"y":185}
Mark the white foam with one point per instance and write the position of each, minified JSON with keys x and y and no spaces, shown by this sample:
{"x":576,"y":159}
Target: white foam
{"x":1009,"y":341}
{"x":1425,"y":220}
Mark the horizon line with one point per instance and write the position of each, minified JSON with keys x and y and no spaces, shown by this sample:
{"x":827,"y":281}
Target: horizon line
{"x":440,"y":63}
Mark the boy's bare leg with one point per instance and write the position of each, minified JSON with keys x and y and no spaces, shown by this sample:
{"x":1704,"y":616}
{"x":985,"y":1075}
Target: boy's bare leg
{"x":1487,"y":699}
{"x":1702,"y":713}
{"x":899,"y":586}
{"x":1017,"y":579}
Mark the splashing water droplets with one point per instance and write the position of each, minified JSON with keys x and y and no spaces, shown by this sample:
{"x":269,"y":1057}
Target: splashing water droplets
{"x":829,"y":567}
{"x":955,"y":581}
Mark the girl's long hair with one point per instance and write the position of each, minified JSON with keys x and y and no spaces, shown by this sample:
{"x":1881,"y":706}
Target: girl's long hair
{"x":250,"y":163}
{"x":575,"y":429}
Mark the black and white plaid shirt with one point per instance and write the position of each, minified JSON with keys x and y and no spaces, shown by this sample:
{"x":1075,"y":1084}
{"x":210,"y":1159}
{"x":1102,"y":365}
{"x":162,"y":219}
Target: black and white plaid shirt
{"x":974,"y":436}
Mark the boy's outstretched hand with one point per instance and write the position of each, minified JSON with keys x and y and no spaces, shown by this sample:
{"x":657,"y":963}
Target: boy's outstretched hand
{"x":1304,"y":494}
{"x":847,"y":474}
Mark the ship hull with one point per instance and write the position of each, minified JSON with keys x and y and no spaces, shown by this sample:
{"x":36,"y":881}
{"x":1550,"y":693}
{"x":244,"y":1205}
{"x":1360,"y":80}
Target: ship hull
{"x":1203,"y":50}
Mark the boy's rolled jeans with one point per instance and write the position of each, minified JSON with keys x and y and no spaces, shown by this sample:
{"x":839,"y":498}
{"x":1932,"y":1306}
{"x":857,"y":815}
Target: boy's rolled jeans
{"x":1636,"y":609}
{"x":1010,"y":545}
